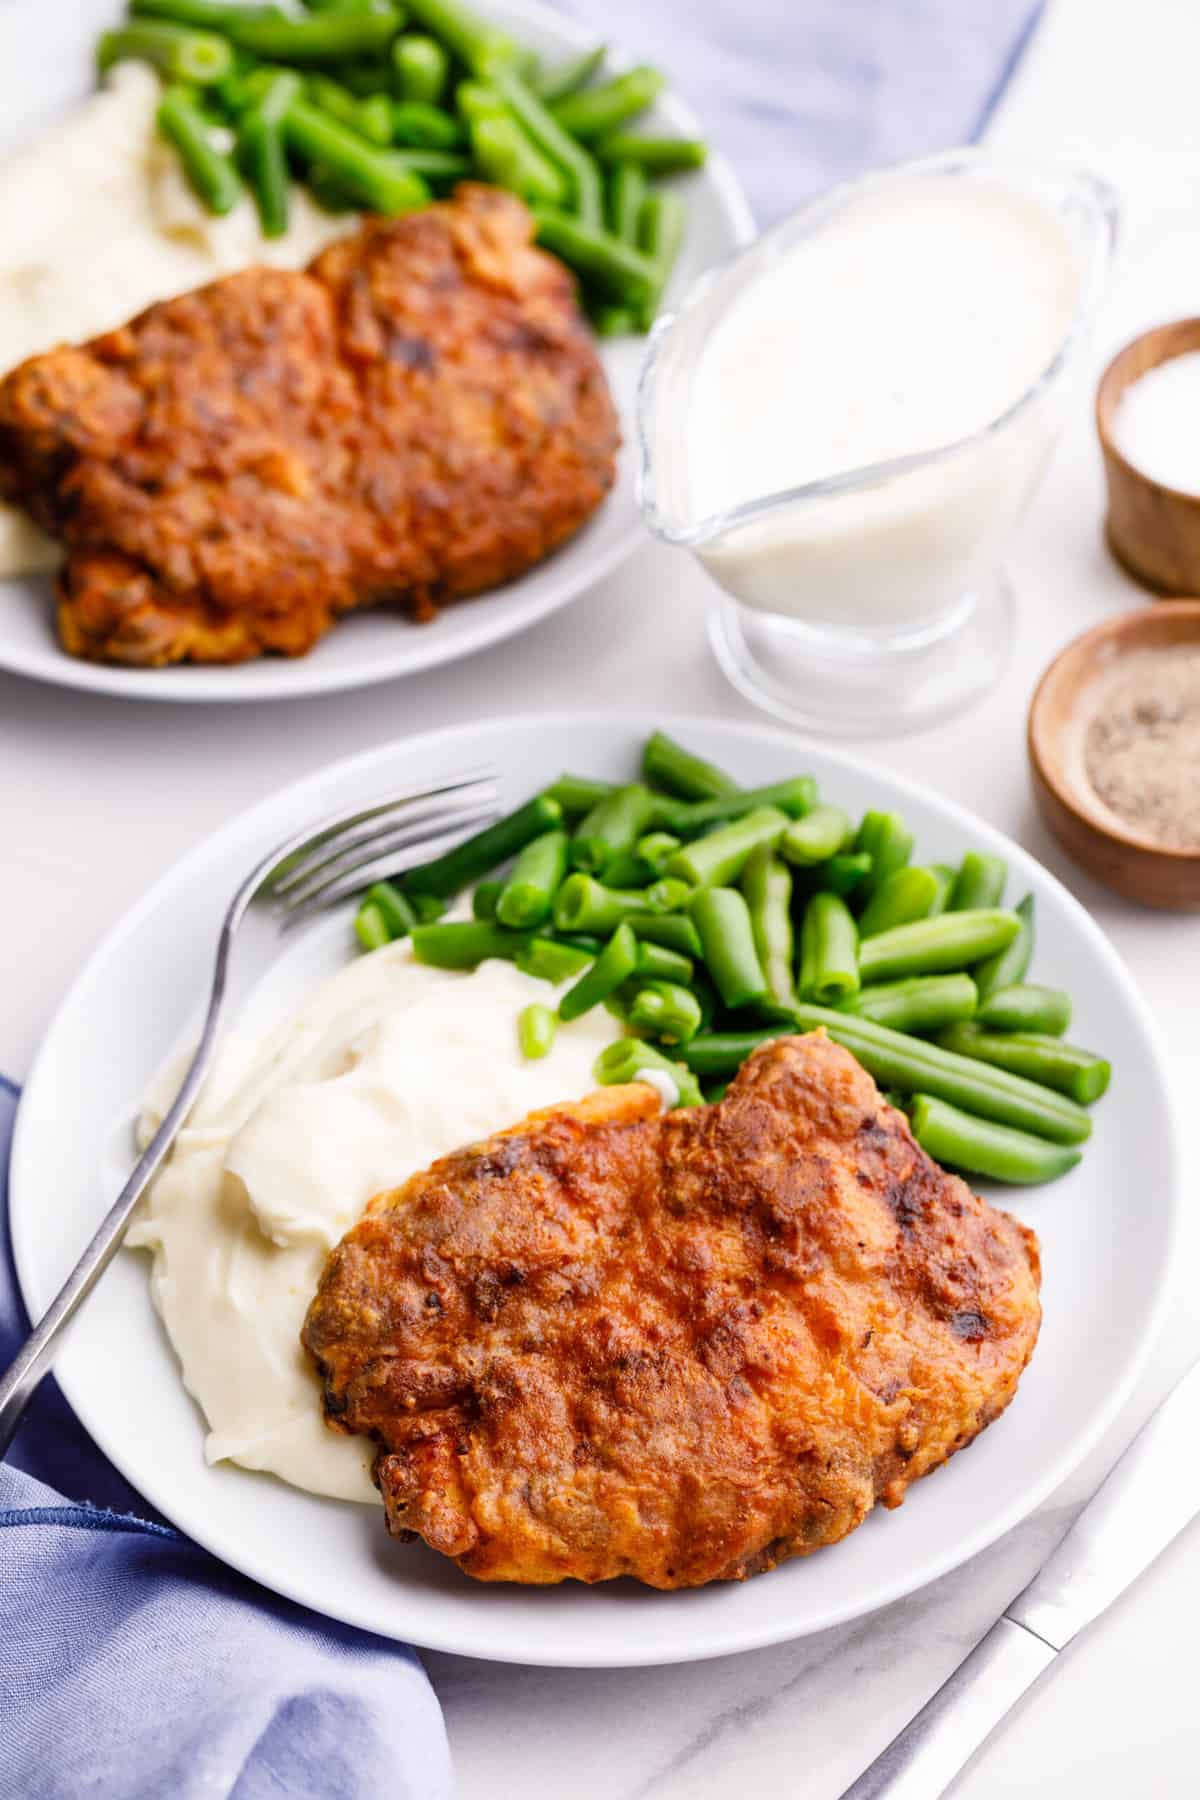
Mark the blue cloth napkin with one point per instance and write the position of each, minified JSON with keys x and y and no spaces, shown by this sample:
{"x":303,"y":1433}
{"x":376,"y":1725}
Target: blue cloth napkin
{"x":133,"y":1666}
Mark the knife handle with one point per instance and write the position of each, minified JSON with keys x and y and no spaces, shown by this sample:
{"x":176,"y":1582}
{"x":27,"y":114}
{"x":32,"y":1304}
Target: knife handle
{"x":921,"y":1763}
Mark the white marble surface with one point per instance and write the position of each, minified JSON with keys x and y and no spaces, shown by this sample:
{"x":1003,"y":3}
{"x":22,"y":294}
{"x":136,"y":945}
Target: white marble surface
{"x":95,"y":798}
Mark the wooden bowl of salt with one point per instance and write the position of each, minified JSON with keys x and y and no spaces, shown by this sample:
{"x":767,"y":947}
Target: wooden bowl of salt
{"x":1114,"y":750}
{"x":1148,"y":419}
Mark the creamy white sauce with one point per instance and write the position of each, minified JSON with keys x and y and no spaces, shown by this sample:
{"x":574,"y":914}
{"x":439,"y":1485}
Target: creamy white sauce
{"x":1156,"y":424}
{"x":916,"y":316}
{"x":386,"y":1067}
{"x":97,"y":221}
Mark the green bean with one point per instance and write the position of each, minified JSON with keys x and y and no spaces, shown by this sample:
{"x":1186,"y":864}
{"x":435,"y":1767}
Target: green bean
{"x":421,"y":69}
{"x":208,"y":15}
{"x":427,"y":907}
{"x":666,"y":1010}
{"x":722,"y":919}
{"x":905,"y":895}
{"x":767,"y":885}
{"x":888,"y":841}
{"x":479,"y":855}
{"x":828,"y":951}
{"x":1027,"y":1007}
{"x":211,"y":173}
{"x":1008,"y":966}
{"x":943,"y":874}
{"x":845,"y":873}
{"x":655,"y":155}
{"x":617,"y":269}
{"x":418,"y":126}
{"x":656,"y":963}
{"x":366,"y":77}
{"x":370,"y":928}
{"x":922,"y":1003}
{"x":599,"y":110}
{"x":610,"y":321}
{"x":433,"y":165}
{"x":626,"y":869}
{"x":913,"y":1066}
{"x":270,"y":91}
{"x":536,"y":1030}
{"x":622,"y":1061}
{"x":318,"y":38}
{"x":199,"y":57}
{"x":673,"y":931}
{"x":718,"y":859}
{"x":509,"y":160}
{"x":955,"y":940}
{"x":529,"y":892}
{"x":398,"y":915}
{"x":465,"y":943}
{"x":264,"y":159}
{"x":615,"y":964}
{"x":816,"y":836}
{"x":1064,"y":1067}
{"x":626,"y":192}
{"x":656,"y":849}
{"x":375,"y":178}
{"x":548,"y":960}
{"x":483,"y":900}
{"x":979,"y":882}
{"x":979,"y":1147}
{"x":668,"y":765}
{"x":794,"y":797}
{"x":577,"y":794}
{"x":374,"y":122}
{"x":472,"y":39}
{"x":661,"y":230}
{"x":615,"y":823}
{"x":583,"y":174}
{"x":584,"y":904}
{"x":331,"y":96}
{"x":569,"y":76}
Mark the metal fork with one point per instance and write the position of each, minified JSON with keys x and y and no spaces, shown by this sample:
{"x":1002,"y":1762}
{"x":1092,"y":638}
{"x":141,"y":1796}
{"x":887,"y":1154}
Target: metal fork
{"x":312,"y":871}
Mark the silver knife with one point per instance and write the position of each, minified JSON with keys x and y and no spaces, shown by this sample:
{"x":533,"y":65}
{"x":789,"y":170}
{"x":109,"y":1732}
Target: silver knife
{"x":1143,"y":1505}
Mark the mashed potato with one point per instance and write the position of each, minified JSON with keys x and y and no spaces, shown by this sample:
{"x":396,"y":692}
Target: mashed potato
{"x":387,"y":1066}
{"x":97,"y":221}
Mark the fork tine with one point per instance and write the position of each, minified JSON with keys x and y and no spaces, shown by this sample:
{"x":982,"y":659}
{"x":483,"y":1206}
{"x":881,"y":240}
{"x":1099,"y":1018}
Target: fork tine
{"x":384,"y":846}
{"x":334,"y":825}
{"x":339,"y":847}
{"x":393,"y":862}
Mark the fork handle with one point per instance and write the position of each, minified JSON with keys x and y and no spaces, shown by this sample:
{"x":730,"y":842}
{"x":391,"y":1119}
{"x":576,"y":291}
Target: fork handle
{"x":35,"y":1356}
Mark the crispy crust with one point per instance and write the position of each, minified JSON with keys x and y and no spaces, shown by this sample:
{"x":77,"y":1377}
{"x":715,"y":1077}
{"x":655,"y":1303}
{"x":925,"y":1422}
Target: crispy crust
{"x":682,"y":1348}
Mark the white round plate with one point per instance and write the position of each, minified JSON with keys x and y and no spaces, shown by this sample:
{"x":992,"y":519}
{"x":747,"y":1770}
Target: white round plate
{"x":1106,"y":1235}
{"x":46,"y":64}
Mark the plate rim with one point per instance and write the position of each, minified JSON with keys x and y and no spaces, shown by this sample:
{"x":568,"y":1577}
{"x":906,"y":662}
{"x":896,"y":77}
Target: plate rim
{"x":746,"y":1637}
{"x":307,"y":678}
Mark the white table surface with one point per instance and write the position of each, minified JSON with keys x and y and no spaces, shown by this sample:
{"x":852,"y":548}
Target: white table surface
{"x":96,"y":797}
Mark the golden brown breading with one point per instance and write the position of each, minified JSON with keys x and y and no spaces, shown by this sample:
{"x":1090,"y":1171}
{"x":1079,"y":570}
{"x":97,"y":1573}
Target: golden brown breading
{"x":682,"y":1348}
{"x":419,"y":417}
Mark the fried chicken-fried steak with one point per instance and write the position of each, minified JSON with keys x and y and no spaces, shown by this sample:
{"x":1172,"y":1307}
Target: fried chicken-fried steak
{"x":417,"y":417}
{"x":684,"y":1347}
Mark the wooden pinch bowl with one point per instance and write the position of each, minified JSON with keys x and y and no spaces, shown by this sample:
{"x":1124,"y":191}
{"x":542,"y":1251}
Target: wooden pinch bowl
{"x":1135,"y":866}
{"x":1153,"y":530}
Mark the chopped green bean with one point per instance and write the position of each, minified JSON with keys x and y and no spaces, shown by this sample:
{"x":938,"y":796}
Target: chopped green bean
{"x":955,"y":940}
{"x":615,"y":823}
{"x":979,"y":882}
{"x":583,"y":174}
{"x":722,"y":919}
{"x":905,"y":895}
{"x":509,"y":160}
{"x":398,"y":915}
{"x":626,"y":191}
{"x":375,"y":178}
{"x":668,"y":765}
{"x":981,"y":1147}
{"x":577,"y":794}
{"x":416,"y":126}
{"x":767,"y":885}
{"x":211,"y":173}
{"x":816,"y":836}
{"x":943,"y":874}
{"x":661,"y":230}
{"x":828,"y":951}
{"x":844,"y":874}
{"x":922,"y":1003}
{"x":374,"y":122}
{"x":617,"y":269}
{"x":473,"y":40}
{"x":622,"y":1062}
{"x":180,"y":53}
{"x":718,"y":858}
{"x":615,"y":964}
{"x":548,"y":960}
{"x":529,"y":892}
{"x":584,"y":904}
{"x":433,"y":165}
{"x":1064,"y":1067}
{"x":654,"y":155}
{"x":207,"y":15}
{"x":567,"y":77}
{"x":421,"y":69}
{"x":323,"y":37}
{"x":673,"y":931}
{"x":889,"y":843}
{"x":913,"y":1066}
{"x":370,"y":928}
{"x":479,"y":855}
{"x":536,"y":1030}
{"x":610,"y":321}
{"x":264,"y":159}
{"x":656,"y":849}
{"x":626,"y":869}
{"x":1008,"y":966}
{"x":666,"y":1011}
{"x":1025,"y":1006}
{"x":465,"y":943}
{"x":655,"y":962}
{"x":597,"y":111}
{"x":483,"y":900}
{"x":795,"y":797}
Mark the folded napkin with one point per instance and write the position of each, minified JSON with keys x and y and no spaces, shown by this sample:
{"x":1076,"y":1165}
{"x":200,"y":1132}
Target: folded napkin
{"x":133,"y":1666}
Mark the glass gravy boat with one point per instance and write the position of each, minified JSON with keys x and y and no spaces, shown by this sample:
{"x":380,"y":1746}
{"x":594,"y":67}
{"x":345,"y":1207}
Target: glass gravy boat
{"x":870,"y":601}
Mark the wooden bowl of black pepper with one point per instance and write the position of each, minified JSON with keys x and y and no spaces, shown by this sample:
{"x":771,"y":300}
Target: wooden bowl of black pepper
{"x":1114,"y":750}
